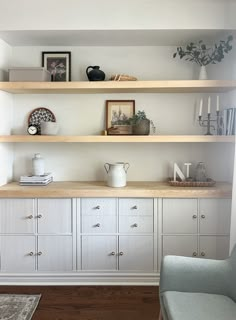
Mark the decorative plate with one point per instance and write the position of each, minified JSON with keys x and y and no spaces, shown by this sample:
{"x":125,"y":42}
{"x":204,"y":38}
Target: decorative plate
{"x":41,"y":114}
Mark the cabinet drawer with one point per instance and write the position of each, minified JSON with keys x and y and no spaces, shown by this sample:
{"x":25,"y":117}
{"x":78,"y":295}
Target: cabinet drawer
{"x":136,"y":224}
{"x":17,"y":216}
{"x":98,"y":206}
{"x":135,"y":206}
{"x":99,"y":224}
{"x":180,"y":216}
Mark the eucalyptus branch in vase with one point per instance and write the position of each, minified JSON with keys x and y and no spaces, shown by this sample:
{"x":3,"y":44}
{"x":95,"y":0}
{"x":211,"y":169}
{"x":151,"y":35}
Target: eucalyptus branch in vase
{"x":203,"y":55}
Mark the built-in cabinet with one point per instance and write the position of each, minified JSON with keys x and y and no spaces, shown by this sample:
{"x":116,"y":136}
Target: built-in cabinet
{"x":36,"y":235}
{"x":117,"y":234}
{"x":94,"y":238}
{"x":196,"y":227}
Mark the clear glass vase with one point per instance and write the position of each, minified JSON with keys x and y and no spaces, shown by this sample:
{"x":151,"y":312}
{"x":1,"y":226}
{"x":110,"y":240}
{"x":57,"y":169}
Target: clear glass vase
{"x":201,"y":172}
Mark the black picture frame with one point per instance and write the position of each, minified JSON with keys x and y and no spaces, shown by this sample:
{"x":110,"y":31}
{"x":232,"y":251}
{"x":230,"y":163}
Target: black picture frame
{"x":58,"y":63}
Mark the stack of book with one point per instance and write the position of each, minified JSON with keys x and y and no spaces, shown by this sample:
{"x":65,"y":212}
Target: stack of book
{"x":228,"y":121}
{"x":31,"y":180}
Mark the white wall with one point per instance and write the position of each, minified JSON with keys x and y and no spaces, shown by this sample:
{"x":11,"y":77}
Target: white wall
{"x":112,"y":14}
{"x":85,"y":114}
{"x":6,"y":150}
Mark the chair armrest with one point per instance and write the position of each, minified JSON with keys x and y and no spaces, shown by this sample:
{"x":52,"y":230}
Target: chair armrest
{"x":194,"y":275}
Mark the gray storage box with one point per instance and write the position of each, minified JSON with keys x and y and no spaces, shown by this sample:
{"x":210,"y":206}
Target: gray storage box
{"x":29,"y":74}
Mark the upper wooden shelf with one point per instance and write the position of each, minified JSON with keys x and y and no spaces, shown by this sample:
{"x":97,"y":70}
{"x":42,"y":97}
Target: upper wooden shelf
{"x":162,"y":86}
{"x":116,"y":139}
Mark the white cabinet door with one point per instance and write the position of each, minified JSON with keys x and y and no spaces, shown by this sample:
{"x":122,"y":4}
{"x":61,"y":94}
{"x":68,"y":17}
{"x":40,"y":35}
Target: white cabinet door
{"x":17,"y":216}
{"x":214,"y":247}
{"x":136,"y":253}
{"x":17,"y":253}
{"x":180,"y":245}
{"x":215,"y":216}
{"x":98,"y":224}
{"x":55,"y":253}
{"x":99,"y":252}
{"x":54,"y":216}
{"x":103,"y":206}
{"x":179,"y":216}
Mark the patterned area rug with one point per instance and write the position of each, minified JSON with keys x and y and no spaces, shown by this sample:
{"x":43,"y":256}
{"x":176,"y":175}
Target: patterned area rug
{"x":18,"y":306}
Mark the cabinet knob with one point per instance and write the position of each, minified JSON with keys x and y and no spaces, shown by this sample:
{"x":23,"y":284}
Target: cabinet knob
{"x":121,"y":253}
{"x":203,"y":216}
{"x":135,"y":225}
{"x":40,"y":216}
{"x":194,"y":216}
{"x":31,"y":254}
{"x":203,"y":254}
{"x":40,"y":253}
{"x":30,"y":217}
{"x":112,"y":253}
{"x":194,"y":254}
{"x":97,"y":207}
{"x":97,"y":225}
{"x":134,"y":207}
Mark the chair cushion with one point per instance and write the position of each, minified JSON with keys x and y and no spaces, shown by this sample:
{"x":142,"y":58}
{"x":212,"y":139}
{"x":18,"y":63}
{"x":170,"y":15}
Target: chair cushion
{"x":198,"y":306}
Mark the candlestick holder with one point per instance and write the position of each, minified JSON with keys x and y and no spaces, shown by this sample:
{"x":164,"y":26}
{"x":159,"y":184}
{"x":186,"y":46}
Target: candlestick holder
{"x":207,"y":123}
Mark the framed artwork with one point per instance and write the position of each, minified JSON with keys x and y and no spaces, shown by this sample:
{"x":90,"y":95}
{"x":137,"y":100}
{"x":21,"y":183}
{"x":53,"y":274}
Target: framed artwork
{"x":58,"y":63}
{"x":118,"y":113}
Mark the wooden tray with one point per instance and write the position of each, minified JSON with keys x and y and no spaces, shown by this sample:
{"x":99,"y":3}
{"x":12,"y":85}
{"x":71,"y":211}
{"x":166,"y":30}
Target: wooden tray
{"x":208,"y":183}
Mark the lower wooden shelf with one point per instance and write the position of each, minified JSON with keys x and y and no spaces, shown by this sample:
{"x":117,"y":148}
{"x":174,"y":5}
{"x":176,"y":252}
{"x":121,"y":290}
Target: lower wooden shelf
{"x":142,"y":189}
{"x":116,"y":139}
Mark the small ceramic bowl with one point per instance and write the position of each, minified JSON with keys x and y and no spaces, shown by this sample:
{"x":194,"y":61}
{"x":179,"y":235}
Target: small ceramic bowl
{"x":49,"y":128}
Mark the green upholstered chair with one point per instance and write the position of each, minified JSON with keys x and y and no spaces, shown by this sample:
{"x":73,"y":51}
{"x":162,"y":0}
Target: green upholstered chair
{"x":198,"y":289}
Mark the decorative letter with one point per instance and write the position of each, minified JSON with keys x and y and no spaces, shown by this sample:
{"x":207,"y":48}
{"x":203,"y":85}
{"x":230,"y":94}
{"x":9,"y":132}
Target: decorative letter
{"x":179,"y":172}
{"x":187,"y":164}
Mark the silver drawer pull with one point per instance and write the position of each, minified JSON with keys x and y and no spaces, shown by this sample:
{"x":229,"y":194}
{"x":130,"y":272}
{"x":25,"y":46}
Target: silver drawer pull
{"x":203,"y":254}
{"x":194,"y":254}
{"x":31,"y":254}
{"x":30,"y":217}
{"x":112,"y":253}
{"x":97,"y":207}
{"x":194,"y":216}
{"x":135,"y":225}
{"x":39,"y":216}
{"x":39,"y":253}
{"x":203,"y":216}
{"x":134,"y":207}
{"x":97,"y":225}
{"x":121,"y":253}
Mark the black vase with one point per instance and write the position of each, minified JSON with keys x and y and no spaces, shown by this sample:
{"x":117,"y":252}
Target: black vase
{"x":95,"y":74}
{"x":142,"y":127}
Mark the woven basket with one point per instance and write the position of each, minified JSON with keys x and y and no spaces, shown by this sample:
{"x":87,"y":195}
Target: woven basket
{"x":208,"y":183}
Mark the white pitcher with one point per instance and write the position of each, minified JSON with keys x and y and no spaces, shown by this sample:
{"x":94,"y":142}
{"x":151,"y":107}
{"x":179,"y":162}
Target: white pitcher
{"x":116,"y":174}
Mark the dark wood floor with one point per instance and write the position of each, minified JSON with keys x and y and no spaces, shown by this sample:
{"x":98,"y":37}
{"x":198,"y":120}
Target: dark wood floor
{"x":92,"y":302}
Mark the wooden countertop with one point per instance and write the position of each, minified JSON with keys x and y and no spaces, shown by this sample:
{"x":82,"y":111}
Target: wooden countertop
{"x":75,"y":189}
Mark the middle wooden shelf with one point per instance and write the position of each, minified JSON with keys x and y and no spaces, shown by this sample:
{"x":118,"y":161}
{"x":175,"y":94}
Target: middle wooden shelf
{"x":114,"y":139}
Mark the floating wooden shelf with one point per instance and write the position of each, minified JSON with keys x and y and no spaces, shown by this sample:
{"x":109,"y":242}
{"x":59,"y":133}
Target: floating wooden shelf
{"x":162,"y":86}
{"x":116,"y":139}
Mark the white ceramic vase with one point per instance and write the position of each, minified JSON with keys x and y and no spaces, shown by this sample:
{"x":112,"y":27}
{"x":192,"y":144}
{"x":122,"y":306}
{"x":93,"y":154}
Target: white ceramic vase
{"x":203,"y":73}
{"x":116,"y":174}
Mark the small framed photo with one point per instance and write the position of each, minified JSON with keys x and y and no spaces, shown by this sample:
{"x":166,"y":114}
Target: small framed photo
{"x":118,"y":113}
{"x":58,"y":63}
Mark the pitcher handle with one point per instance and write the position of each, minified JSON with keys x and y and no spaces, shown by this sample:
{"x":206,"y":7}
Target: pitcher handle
{"x":128,"y":165}
{"x":106,"y":167}
{"x":90,"y":67}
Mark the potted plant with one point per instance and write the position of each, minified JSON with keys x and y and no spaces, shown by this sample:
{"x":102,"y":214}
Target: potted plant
{"x":140,"y":123}
{"x":203,"y":55}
